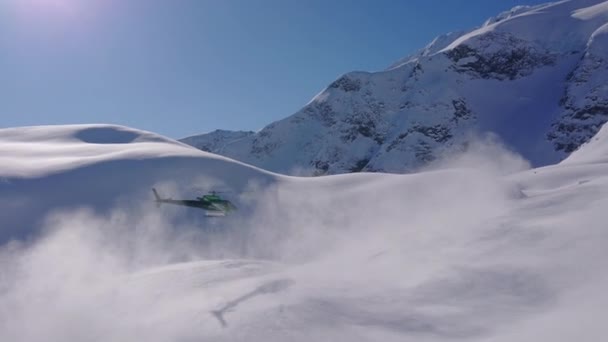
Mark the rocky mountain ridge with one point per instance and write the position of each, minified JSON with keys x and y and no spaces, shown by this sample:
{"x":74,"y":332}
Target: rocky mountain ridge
{"x":535,"y":77}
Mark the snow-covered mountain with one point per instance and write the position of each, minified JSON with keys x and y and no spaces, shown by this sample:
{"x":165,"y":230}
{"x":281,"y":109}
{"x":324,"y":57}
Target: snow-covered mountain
{"x":533,"y":76}
{"x":216,"y":140}
{"x":458,"y":253}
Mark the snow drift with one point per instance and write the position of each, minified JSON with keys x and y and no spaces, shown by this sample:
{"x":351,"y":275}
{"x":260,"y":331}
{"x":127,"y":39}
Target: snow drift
{"x":457,"y":253}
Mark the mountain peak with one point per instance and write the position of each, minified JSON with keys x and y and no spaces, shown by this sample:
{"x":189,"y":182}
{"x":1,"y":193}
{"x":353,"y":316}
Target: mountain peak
{"x":533,"y":76}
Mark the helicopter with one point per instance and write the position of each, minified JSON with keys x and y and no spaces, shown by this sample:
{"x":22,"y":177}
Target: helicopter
{"x":212,"y":203}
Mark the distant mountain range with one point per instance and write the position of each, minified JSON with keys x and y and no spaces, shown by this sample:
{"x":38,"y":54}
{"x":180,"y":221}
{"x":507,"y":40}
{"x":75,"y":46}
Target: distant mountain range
{"x":535,"y":76}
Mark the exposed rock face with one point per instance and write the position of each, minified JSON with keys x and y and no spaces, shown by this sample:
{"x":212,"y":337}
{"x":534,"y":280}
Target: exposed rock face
{"x":534,"y":76}
{"x":585,"y":100}
{"x":500,"y":56}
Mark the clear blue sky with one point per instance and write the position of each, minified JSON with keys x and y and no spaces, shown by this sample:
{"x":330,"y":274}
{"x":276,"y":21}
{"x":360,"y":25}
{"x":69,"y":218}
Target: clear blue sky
{"x":180,"y":67}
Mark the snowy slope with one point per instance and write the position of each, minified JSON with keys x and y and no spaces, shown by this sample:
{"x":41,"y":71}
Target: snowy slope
{"x":216,"y":140}
{"x":452,"y":254}
{"x":48,"y":167}
{"x":533,"y":76}
{"x":594,"y":151}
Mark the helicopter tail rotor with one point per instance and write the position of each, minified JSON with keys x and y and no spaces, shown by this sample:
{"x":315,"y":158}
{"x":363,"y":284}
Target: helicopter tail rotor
{"x":157,"y":197}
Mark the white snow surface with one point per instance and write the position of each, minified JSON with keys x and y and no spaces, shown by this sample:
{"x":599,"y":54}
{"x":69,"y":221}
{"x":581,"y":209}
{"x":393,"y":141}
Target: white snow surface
{"x":458,"y":253}
{"x":30,"y":151}
{"x":533,"y":77}
{"x":594,"y":151}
